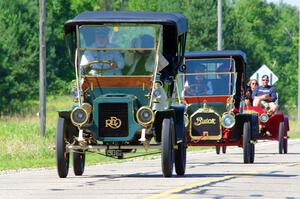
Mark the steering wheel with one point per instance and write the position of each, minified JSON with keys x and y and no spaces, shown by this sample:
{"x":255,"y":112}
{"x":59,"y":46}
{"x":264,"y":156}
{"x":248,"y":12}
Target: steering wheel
{"x":111,"y":65}
{"x":196,"y":89}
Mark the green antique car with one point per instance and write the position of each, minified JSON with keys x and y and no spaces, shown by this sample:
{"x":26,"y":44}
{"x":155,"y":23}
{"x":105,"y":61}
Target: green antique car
{"x":126,"y":64}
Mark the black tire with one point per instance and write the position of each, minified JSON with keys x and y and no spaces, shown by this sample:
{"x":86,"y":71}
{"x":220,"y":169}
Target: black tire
{"x":120,"y":157}
{"x":78,"y":162}
{"x":62,"y":156}
{"x":254,"y":129}
{"x":281,"y":137}
{"x":285,"y":144}
{"x":224,"y":149}
{"x":285,"y":140}
{"x":180,"y":157}
{"x":252,"y":154}
{"x":218,"y":149}
{"x":246,"y":142}
{"x":167,"y":153}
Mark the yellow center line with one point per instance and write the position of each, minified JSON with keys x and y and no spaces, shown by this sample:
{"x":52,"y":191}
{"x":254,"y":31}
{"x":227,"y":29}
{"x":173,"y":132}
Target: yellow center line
{"x":188,"y":187}
{"x":298,"y":164}
{"x":193,"y":188}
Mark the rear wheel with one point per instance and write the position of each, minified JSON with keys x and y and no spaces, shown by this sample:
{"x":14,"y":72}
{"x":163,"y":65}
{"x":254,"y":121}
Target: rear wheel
{"x":180,"y":157}
{"x":285,"y":144}
{"x":281,"y":137}
{"x":224,"y":149}
{"x":62,"y":156}
{"x":286,"y":129}
{"x":167,"y":153}
{"x":246,"y":142}
{"x":78,"y":162}
{"x":218,"y":148}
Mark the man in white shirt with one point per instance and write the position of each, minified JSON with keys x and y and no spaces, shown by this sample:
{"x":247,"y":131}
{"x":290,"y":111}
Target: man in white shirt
{"x":113,"y":57}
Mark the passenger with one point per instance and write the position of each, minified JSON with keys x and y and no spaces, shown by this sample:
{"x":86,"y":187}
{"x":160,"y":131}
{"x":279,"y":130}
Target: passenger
{"x":252,"y":84}
{"x":265,"y":96}
{"x":113,"y":56}
{"x":225,"y":78}
{"x":142,"y":60}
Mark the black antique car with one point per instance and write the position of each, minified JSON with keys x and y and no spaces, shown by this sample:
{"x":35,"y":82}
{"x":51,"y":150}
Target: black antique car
{"x":126,"y":64}
{"x":211,"y":85}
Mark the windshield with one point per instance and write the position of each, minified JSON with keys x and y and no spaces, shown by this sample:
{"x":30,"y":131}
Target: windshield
{"x":208,"y":77}
{"x":110,"y":50}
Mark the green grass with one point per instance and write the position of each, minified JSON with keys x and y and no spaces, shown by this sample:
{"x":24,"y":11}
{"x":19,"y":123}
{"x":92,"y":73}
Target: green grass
{"x":21,"y":146}
{"x":294,"y":130}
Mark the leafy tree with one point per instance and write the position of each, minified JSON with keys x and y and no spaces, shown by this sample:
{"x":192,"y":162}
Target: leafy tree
{"x":267,"y":32}
{"x":19,"y":53}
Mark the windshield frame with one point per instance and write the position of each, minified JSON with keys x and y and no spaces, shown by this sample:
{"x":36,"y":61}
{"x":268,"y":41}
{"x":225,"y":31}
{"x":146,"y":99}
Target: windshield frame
{"x":157,"y":45}
{"x":181,"y":79}
{"x":155,"y":28}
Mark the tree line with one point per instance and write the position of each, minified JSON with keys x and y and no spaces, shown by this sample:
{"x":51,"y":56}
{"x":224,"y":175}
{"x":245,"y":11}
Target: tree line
{"x":266,"y":32}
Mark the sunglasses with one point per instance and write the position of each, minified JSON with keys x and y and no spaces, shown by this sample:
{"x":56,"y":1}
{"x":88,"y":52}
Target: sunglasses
{"x":265,"y":80}
{"x":253,"y":83}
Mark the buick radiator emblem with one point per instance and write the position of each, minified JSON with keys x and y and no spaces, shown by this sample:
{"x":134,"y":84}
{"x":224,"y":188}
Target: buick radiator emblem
{"x":200,"y":121}
{"x":113,"y":123}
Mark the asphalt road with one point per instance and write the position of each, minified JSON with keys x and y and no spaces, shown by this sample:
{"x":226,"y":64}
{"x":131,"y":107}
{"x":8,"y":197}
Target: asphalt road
{"x":208,"y":175}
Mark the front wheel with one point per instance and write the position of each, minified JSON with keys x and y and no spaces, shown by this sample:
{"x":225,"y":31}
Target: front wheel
{"x":246,"y":142}
{"x":167,"y":153}
{"x":180,"y":157}
{"x":78,"y":162}
{"x":252,"y":154}
{"x":62,"y":155}
{"x":281,"y":137}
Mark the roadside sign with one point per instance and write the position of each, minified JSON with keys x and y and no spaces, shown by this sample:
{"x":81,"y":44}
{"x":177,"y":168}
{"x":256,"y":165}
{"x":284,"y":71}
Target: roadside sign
{"x":264,"y":70}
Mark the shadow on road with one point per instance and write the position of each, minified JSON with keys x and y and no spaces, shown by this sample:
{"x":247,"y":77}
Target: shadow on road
{"x":194,"y":175}
{"x":199,"y":164}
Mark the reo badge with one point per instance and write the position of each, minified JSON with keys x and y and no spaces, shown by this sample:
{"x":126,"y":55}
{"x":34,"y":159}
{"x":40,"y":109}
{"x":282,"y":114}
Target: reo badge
{"x":113,"y":123}
{"x":200,"y":121}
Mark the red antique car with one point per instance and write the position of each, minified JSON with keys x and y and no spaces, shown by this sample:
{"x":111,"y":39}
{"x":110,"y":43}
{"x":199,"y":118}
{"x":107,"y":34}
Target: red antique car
{"x":271,"y":126}
{"x":211,"y":86}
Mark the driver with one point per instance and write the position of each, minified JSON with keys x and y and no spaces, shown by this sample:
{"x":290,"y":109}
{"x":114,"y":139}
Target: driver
{"x":114,"y":57}
{"x":196,"y":84}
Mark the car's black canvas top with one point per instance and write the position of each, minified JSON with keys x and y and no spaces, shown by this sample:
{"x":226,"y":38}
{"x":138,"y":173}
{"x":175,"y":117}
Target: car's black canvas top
{"x":217,"y":54}
{"x":172,"y":19}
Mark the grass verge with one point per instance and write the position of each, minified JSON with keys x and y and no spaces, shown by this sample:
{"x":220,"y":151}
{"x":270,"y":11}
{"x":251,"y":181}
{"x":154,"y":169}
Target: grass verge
{"x":294,"y":130}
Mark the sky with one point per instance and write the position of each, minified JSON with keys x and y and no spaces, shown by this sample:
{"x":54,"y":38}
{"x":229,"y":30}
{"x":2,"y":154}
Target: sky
{"x":292,"y":2}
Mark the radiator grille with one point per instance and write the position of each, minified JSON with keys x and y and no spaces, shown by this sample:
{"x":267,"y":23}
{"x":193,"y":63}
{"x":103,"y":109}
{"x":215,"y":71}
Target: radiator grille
{"x":205,"y":124}
{"x":113,"y":119}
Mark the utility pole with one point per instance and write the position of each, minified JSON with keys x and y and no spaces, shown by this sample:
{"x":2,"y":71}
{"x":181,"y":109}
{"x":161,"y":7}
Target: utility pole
{"x":42,"y":93}
{"x":219,"y":24}
{"x":298,"y":107}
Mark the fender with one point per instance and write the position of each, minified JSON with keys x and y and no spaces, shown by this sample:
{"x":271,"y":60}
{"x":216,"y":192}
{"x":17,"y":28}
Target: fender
{"x":179,"y":122}
{"x":254,"y":126}
{"x":241,"y":119}
{"x":64,"y":114}
{"x":159,"y":116}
